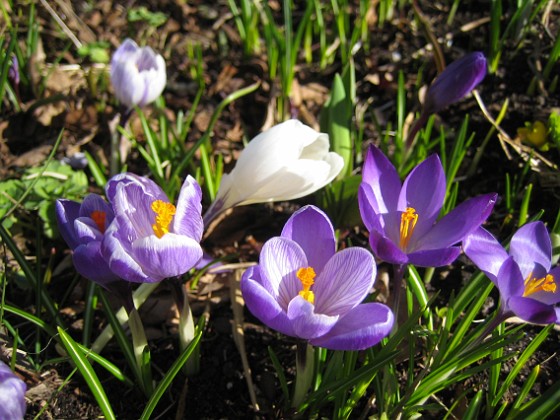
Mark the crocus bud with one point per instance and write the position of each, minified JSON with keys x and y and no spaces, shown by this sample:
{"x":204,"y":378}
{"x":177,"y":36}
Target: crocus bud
{"x":288,"y":161}
{"x":137,"y":74}
{"x":13,"y":71}
{"x":12,"y":394}
{"x":456,"y":81}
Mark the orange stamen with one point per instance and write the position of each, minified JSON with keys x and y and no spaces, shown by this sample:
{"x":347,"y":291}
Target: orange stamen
{"x":99,"y":217}
{"x":306,"y":275}
{"x":164,"y":215}
{"x":408,"y":222}
{"x":545,"y":284}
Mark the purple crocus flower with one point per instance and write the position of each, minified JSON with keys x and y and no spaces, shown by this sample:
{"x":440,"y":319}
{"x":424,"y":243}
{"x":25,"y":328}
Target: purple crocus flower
{"x":304,"y":289}
{"x":402,"y":218}
{"x":150,"y":238}
{"x":12,"y":394}
{"x":138,"y":74}
{"x":527,"y":284}
{"x":83,"y":228}
{"x":456,"y":81}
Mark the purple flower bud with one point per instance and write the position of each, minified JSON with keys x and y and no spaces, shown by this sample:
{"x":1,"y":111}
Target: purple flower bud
{"x":12,"y":394}
{"x":13,"y":71}
{"x":76,"y":161}
{"x":83,"y":227}
{"x":137,"y":74}
{"x":456,"y":81}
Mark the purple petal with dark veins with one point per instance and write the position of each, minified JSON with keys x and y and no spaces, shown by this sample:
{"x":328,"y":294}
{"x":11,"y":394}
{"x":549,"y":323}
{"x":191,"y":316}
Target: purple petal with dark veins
{"x":169,"y":256}
{"x":313,"y":231}
{"x":364,"y":326}
{"x":188,"y":219}
{"x":118,"y":254}
{"x":280,"y":260}
{"x":306,"y":322}
{"x":345,"y":281}
{"x":262,"y":304}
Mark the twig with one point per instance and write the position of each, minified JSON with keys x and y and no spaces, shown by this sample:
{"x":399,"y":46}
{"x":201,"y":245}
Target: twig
{"x":237,"y":304}
{"x":63,"y":25}
{"x":524,"y":151}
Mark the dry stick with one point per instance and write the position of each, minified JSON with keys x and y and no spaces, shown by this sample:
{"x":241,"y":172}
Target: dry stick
{"x":77,"y":43}
{"x":524,"y":151}
{"x":237,"y":304}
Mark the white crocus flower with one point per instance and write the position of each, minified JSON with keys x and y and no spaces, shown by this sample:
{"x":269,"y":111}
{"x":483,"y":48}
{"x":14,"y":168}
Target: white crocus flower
{"x":138,"y":74}
{"x":288,"y":161}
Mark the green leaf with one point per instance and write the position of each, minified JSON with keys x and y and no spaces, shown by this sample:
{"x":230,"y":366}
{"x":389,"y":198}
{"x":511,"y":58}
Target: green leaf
{"x":75,"y":352}
{"x":337,"y":124}
{"x":169,"y":376}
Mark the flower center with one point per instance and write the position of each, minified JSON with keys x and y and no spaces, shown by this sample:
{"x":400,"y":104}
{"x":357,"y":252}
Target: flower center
{"x":164,"y":214}
{"x":545,"y":284}
{"x":408,"y":222}
{"x":99,"y":217}
{"x":306,"y":275}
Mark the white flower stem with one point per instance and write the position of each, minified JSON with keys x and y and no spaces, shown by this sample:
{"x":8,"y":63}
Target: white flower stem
{"x":305,"y":367}
{"x":186,"y":336}
{"x":141,"y":351}
{"x":139,"y":296}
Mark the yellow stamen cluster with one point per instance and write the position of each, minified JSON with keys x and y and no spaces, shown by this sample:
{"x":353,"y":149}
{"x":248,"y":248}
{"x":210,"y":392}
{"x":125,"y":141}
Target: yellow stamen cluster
{"x":99,"y":217}
{"x":408,"y":222}
{"x":164,"y":215}
{"x":545,"y":284}
{"x":306,"y":275}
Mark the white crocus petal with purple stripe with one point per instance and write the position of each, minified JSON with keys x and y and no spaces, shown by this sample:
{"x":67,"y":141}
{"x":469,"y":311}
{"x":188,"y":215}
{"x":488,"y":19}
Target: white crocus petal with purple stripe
{"x":362,"y":327}
{"x":315,"y":302}
{"x":152,"y":239}
{"x":138,"y":74}
{"x":12,"y":394}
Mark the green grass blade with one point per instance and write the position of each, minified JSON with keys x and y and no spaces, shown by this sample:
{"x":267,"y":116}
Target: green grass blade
{"x":89,"y":375}
{"x":169,"y":376}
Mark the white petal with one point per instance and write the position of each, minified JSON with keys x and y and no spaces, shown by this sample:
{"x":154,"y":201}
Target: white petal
{"x":288,"y":161}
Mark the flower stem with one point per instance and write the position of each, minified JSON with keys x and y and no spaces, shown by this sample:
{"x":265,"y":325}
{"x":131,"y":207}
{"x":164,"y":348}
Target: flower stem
{"x":413,"y":131}
{"x":500,"y":317}
{"x":399,"y":271}
{"x":141,"y":351}
{"x":139,"y":296}
{"x":186,"y":327}
{"x":305,"y":366}
{"x":115,"y":140}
